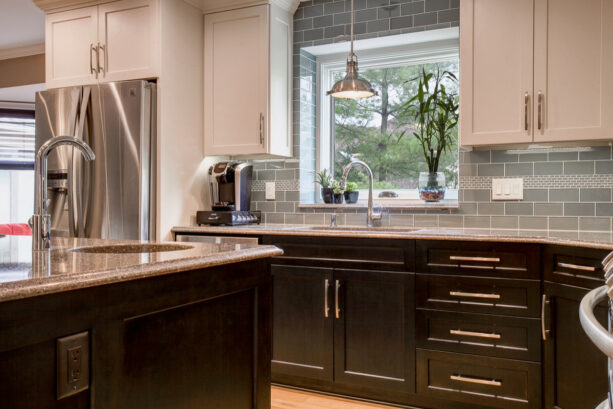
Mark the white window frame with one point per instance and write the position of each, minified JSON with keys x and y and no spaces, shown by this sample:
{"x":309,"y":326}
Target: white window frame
{"x":329,"y":64}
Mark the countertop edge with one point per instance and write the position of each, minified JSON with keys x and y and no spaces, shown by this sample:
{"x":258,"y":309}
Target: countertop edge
{"x":424,"y":234}
{"x":62,"y":283}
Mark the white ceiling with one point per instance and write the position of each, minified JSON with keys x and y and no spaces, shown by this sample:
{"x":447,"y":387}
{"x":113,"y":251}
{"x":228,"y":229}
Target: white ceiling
{"x":24,"y":93}
{"x":21,"y":24}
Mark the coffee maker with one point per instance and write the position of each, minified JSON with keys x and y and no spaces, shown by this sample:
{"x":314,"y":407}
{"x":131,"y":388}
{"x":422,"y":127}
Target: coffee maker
{"x":230,"y":190}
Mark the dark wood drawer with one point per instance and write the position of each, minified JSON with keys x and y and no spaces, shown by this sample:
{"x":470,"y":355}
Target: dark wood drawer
{"x":490,"y":335}
{"x":477,"y":258}
{"x":378,"y":254}
{"x":576,"y":266}
{"x":490,"y":382}
{"x":500,"y":296}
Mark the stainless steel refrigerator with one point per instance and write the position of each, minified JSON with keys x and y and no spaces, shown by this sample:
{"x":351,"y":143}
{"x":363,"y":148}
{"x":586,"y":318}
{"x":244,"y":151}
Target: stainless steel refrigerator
{"x":112,"y":197}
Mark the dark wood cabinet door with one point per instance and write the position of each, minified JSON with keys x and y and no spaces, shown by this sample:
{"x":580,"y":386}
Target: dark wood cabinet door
{"x":302,"y":326}
{"x":575,"y":371}
{"x":373,"y":329}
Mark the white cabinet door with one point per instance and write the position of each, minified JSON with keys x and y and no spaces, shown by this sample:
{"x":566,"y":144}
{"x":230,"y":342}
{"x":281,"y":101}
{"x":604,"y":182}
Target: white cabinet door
{"x":236,"y":81}
{"x":128,"y":36}
{"x":70,"y":41}
{"x":573,"y":70}
{"x":496,"y":69}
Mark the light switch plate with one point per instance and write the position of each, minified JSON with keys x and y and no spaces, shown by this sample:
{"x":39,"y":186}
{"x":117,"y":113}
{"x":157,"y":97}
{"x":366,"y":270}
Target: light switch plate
{"x":270,"y":190}
{"x":508,"y":189}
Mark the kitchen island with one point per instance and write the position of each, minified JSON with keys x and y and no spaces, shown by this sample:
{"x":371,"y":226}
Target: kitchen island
{"x":111,"y":324}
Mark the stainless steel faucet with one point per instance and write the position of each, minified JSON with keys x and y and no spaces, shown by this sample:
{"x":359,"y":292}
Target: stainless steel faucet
{"x":41,"y":220}
{"x":372,"y":215}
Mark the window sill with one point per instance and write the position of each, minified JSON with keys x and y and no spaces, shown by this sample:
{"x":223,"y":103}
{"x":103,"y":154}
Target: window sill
{"x":387,"y":204}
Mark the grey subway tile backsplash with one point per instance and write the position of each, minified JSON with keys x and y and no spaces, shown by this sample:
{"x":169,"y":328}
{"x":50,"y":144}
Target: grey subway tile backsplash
{"x":567,"y":190}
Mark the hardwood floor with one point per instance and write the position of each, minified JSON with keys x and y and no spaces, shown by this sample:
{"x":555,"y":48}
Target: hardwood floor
{"x":283,"y":398}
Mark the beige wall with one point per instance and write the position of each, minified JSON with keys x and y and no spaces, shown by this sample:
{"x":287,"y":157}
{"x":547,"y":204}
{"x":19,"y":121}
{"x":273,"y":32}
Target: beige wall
{"x":22,"y":71}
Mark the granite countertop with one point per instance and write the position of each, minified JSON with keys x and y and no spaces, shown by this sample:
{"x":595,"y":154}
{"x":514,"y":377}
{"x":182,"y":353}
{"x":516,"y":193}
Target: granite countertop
{"x":25,"y":274}
{"x":596,"y":240}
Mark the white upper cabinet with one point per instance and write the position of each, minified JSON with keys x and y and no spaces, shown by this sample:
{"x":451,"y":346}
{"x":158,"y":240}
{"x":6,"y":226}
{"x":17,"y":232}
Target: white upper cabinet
{"x":127,"y":35}
{"x":110,"y":42}
{"x":247,"y":81}
{"x":70,"y":41}
{"x":496,"y":71}
{"x":535,"y":71}
{"x":572,"y":73}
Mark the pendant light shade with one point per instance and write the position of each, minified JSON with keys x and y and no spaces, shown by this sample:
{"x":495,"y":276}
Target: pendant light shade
{"x":352,"y":86}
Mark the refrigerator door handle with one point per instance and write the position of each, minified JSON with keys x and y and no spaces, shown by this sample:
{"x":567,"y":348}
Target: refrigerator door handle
{"x":79,"y":196}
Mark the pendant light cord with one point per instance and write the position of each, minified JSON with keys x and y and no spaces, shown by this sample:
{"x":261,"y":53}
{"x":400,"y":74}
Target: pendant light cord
{"x":351,"y":54}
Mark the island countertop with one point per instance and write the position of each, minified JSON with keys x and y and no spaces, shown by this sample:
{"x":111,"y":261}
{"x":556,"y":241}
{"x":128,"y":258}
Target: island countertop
{"x":26,"y":274}
{"x":595,"y":240}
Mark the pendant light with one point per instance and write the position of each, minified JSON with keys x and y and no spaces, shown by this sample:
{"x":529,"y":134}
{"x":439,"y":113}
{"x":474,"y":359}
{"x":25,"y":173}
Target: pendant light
{"x":352,"y":86}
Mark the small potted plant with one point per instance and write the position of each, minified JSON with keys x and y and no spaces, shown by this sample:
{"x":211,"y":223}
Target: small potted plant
{"x":351,"y":193}
{"x":435,"y":111}
{"x":337,"y":192}
{"x":324,"y":179}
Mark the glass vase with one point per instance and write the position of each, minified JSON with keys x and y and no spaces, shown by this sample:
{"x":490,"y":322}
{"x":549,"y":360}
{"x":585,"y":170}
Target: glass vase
{"x":431,"y":186}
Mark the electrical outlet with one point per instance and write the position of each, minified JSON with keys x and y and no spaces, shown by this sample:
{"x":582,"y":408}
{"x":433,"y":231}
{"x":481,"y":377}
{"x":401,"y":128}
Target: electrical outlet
{"x":270,"y":190}
{"x":508,"y":189}
{"x":72,"y":364}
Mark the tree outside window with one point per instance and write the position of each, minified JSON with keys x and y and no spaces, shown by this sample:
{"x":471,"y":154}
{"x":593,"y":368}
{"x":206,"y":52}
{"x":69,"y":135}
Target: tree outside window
{"x":379,"y":131}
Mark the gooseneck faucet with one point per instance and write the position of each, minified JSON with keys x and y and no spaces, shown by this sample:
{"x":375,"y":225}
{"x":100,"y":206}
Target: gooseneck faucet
{"x":372,"y":215}
{"x":41,"y":220}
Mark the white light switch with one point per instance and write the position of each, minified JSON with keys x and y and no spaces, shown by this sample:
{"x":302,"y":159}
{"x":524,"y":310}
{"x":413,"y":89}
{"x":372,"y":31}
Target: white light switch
{"x":270,"y":190}
{"x":508,"y":189}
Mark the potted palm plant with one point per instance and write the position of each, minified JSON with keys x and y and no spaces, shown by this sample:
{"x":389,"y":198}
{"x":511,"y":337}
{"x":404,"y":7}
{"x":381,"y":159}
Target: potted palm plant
{"x":435,"y":112}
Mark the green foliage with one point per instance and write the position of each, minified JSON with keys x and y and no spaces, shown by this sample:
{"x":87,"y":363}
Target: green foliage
{"x":336,"y":187}
{"x":435,"y":112}
{"x":323,"y":178}
{"x":379,"y":130}
{"x":351,"y":187}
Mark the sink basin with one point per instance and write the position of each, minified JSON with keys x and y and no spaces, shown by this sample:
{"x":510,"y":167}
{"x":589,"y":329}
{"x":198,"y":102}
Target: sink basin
{"x":132,"y":248}
{"x":362,"y":229}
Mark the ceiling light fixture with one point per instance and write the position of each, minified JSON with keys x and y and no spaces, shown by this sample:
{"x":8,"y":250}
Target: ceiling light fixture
{"x":352,"y":86}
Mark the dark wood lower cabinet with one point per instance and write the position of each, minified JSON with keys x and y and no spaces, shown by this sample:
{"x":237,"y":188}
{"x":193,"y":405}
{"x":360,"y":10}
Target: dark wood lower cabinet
{"x":302,"y":322}
{"x":575,"y":371}
{"x":189,"y":340}
{"x":373,"y":329}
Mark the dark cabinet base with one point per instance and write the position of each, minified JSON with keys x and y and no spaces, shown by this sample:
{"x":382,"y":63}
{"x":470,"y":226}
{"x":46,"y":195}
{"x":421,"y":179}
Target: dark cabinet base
{"x":197,"y":339}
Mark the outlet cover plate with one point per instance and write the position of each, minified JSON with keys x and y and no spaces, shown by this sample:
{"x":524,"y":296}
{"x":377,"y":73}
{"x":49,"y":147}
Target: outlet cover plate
{"x":72,"y":364}
{"x":270,"y":190}
{"x":508,"y":189}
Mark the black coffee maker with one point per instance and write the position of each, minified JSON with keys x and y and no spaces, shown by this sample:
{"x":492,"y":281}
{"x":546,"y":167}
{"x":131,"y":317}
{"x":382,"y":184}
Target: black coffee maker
{"x":230,"y":189}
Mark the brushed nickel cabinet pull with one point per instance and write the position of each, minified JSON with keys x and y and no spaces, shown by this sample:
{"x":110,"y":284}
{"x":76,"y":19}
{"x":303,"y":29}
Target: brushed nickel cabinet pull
{"x":337,"y":309}
{"x":326,"y":308}
{"x":474,"y":295}
{"x":540,"y":110}
{"x":474,"y":334}
{"x":544,"y":330}
{"x":526,"y":99}
{"x":261,"y":128}
{"x":102,"y":69}
{"x":93,"y":49}
{"x":480,"y":259}
{"x":469,"y":379}
{"x":577,"y":267}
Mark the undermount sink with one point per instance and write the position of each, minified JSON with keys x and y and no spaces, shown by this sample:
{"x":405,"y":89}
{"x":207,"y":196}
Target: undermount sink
{"x":362,"y":229}
{"x":131,"y":248}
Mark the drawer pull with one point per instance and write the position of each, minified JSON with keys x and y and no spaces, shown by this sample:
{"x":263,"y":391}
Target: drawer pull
{"x":468,"y":379}
{"x":474,"y":295}
{"x":576,"y":267}
{"x":337,"y":309}
{"x":474,"y":334}
{"x":480,"y":259}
